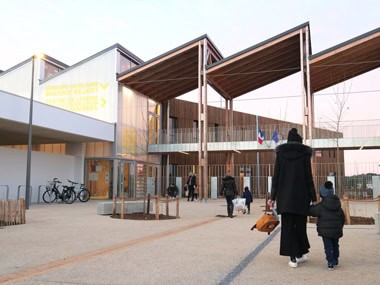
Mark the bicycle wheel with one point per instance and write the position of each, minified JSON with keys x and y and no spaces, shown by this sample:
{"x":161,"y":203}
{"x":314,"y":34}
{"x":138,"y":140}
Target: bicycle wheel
{"x":69,"y":196}
{"x":49,"y":196}
{"x":84,"y":195}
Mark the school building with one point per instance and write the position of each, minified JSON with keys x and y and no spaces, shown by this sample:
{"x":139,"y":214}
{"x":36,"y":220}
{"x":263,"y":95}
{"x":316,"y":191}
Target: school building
{"x":112,"y":120}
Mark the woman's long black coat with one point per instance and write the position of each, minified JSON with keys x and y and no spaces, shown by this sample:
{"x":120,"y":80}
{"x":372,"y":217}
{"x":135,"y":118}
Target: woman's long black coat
{"x":292,"y":182}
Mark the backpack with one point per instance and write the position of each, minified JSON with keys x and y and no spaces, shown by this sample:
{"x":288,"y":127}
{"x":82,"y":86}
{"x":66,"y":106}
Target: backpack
{"x":267,"y":222}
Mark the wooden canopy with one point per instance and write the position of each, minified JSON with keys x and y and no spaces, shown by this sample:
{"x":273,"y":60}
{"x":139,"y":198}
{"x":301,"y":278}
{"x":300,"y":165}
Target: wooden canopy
{"x":345,"y":61}
{"x":259,"y":65}
{"x":171,"y":74}
{"x":176,"y":72}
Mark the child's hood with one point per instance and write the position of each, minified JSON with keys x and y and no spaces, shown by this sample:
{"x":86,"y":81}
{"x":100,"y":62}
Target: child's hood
{"x":332,"y":203}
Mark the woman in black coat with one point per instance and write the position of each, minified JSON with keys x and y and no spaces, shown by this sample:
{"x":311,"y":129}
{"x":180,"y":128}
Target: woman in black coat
{"x":293,"y":190}
{"x":229,"y":191}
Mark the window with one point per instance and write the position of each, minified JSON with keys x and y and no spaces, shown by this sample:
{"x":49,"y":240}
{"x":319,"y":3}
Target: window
{"x":125,"y":63}
{"x":49,"y":69}
{"x":195,"y":131}
{"x":216,"y":133}
{"x":173,"y":129}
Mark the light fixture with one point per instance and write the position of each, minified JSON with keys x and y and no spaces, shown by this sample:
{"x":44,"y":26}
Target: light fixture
{"x":236,"y":150}
{"x":184,"y":152}
{"x":361,"y":147}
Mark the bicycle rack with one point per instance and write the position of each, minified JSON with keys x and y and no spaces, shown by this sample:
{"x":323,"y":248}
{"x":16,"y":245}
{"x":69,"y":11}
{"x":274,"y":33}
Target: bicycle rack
{"x":30,"y":192}
{"x":46,"y":187}
{"x":6,"y":191}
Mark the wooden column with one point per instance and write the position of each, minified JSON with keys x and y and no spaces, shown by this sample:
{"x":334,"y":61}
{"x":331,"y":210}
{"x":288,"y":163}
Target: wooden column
{"x":310,"y":107}
{"x":205,"y":125}
{"x":200,"y":162}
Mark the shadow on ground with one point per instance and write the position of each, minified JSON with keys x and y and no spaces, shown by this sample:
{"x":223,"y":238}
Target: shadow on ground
{"x":143,"y":217}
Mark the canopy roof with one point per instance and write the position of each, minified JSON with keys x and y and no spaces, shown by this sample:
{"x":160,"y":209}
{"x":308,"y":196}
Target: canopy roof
{"x":172,"y":74}
{"x":258,"y":65}
{"x":345,"y":61}
{"x":176,"y":72}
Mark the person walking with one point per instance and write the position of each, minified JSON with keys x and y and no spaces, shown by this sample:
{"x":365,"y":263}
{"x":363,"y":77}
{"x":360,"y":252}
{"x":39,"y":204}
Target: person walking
{"x":330,"y":222}
{"x":196,"y":193}
{"x":248,"y":198}
{"x":191,"y":183}
{"x":229,"y":191}
{"x":293,"y":191}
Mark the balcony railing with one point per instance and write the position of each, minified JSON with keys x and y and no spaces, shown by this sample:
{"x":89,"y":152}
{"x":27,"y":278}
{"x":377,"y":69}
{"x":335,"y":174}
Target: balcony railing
{"x":249,"y":132}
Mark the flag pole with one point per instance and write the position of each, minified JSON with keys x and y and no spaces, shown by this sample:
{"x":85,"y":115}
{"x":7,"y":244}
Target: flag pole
{"x":257,"y":156}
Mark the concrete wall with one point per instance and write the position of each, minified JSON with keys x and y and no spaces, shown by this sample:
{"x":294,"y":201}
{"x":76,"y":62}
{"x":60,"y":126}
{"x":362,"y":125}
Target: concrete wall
{"x":44,"y":167}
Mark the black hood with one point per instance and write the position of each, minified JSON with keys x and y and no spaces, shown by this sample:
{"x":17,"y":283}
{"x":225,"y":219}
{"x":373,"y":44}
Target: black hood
{"x":293,"y":150}
{"x":331,"y":202}
{"x":228,"y":180}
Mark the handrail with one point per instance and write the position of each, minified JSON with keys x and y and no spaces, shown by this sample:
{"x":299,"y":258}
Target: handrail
{"x":249,"y":132}
{"x":7,"y":191}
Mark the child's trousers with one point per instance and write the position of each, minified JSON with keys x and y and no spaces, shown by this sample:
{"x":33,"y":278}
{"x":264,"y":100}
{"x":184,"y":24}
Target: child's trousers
{"x":331,"y":250}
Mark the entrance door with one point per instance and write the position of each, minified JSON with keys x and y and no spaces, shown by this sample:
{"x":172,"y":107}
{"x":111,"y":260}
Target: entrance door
{"x":126,"y":180}
{"x":99,"y":178}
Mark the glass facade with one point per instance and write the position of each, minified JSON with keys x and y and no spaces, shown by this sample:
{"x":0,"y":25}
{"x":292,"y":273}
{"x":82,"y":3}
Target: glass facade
{"x":137,"y":118}
{"x":48,"y":69}
{"x":124,"y":63}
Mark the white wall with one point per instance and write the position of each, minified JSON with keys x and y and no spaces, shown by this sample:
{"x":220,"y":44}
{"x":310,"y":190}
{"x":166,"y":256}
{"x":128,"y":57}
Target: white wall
{"x":44,"y":167}
{"x":18,"y":81}
{"x":89,"y":89}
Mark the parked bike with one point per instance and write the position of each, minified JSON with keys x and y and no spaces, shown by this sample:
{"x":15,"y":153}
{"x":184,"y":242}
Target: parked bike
{"x":81,"y":192}
{"x":52,"y":193}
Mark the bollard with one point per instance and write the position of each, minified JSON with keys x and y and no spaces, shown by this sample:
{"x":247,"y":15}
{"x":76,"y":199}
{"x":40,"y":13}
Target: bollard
{"x":122,"y":208}
{"x":148,"y":208}
{"x":167,"y":205}
{"x":377,"y":215}
{"x":177,"y":208}
{"x":114,"y":207}
{"x":157,"y":207}
{"x":347,"y":210}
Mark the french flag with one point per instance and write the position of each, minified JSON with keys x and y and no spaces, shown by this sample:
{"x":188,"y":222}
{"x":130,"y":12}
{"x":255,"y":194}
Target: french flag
{"x":260,"y":137}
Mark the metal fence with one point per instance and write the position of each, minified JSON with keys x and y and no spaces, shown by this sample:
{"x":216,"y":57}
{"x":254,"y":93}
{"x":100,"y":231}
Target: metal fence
{"x":358,"y":185}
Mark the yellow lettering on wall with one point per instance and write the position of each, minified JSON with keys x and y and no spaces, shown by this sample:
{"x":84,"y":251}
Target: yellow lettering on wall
{"x":77,"y":97}
{"x":74,"y":89}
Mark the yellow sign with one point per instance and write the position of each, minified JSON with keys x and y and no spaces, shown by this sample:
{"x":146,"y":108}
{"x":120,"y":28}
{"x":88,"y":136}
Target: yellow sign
{"x":77,"y":97}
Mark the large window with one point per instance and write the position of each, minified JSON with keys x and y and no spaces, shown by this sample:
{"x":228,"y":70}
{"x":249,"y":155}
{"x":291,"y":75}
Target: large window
{"x":154,"y":121}
{"x":48,"y":69}
{"x":125,"y":63}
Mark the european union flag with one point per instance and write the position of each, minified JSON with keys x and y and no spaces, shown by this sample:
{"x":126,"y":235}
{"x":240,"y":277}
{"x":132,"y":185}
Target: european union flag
{"x":275,"y":137}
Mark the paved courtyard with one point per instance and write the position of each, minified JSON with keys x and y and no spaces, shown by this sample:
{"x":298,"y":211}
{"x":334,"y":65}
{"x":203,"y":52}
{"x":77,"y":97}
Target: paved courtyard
{"x":71,"y":244}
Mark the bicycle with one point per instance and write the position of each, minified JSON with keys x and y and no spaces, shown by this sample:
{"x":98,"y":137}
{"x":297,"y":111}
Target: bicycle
{"x":83,"y":194}
{"x":52,"y":194}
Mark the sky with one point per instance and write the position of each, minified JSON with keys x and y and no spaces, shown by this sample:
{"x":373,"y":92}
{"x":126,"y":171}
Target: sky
{"x":72,"y":30}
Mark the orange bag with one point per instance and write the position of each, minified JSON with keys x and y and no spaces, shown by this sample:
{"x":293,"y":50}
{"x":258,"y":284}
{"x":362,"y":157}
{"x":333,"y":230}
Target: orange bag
{"x":267,"y":222}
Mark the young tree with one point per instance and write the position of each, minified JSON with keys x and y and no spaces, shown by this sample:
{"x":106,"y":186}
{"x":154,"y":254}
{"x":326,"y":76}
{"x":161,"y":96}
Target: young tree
{"x":339,"y":110}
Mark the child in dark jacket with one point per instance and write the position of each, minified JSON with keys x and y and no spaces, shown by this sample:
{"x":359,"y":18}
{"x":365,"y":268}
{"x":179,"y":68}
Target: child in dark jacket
{"x":330,"y":222}
{"x":248,"y":198}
